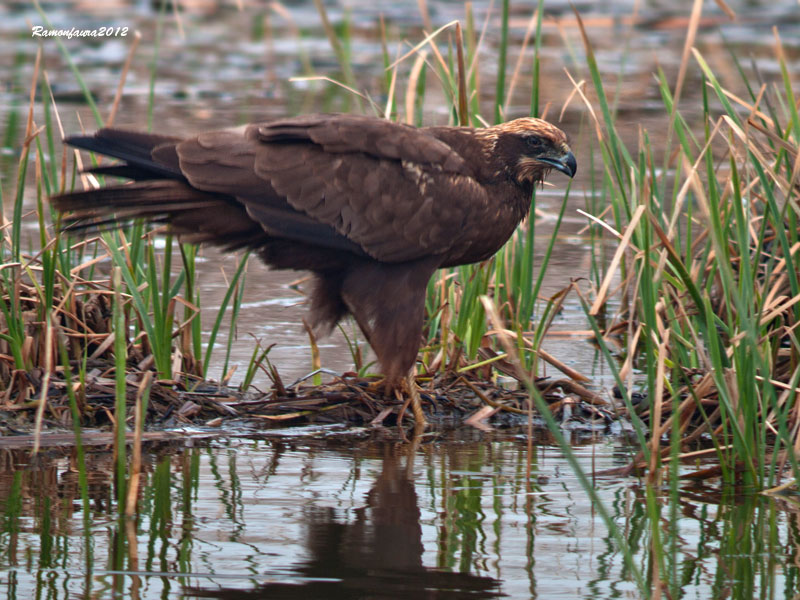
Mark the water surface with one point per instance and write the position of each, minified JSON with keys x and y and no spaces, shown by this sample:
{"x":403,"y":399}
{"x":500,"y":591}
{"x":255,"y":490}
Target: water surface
{"x":452,"y":516}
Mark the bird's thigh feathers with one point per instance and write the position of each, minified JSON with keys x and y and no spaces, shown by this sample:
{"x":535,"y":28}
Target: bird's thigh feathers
{"x":388,"y":303}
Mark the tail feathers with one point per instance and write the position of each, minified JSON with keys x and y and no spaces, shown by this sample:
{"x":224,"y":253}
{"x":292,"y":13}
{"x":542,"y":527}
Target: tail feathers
{"x":195,"y":216}
{"x":125,"y":171}
{"x":159,"y":194}
{"x":122,"y":203}
{"x":147,"y":153}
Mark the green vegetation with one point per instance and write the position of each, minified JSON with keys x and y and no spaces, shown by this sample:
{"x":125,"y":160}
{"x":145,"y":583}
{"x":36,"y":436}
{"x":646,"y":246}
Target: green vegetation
{"x":705,"y":229}
{"x":701,"y":291}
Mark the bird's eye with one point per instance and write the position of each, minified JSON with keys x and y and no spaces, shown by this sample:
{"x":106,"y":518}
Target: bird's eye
{"x":533,"y":141}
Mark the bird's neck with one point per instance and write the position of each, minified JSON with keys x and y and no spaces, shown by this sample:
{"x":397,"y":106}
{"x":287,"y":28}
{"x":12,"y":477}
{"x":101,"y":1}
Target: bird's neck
{"x":475,"y":149}
{"x":522,"y":199}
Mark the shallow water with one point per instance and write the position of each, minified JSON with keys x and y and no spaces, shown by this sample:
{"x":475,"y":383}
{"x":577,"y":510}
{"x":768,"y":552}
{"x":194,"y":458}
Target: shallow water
{"x":334,"y":517}
{"x":337,"y":517}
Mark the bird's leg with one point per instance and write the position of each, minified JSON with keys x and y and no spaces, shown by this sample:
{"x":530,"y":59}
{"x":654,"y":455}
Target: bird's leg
{"x":413,"y":398}
{"x":388,"y":303}
{"x":379,"y":387}
{"x":416,"y":401}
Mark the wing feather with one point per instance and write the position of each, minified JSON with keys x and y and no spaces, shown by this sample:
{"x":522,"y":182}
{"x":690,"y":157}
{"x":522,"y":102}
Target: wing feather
{"x":341,"y":134}
{"x":381,"y":187}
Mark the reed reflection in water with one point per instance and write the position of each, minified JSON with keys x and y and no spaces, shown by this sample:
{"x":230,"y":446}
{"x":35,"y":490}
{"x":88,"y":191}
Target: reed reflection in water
{"x":368,"y":518}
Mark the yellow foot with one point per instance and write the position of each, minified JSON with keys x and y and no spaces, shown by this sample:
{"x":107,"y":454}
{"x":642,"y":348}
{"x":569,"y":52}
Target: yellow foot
{"x":377,"y":387}
{"x":413,"y":398}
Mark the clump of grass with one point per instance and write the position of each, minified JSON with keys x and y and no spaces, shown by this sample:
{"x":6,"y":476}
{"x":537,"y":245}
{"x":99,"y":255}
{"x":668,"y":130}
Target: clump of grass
{"x":711,"y":276}
{"x":75,"y":346}
{"x":707,"y":255}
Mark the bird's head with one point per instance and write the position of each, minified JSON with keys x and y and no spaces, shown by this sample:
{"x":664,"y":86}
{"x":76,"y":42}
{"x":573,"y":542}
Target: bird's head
{"x":529,"y":148}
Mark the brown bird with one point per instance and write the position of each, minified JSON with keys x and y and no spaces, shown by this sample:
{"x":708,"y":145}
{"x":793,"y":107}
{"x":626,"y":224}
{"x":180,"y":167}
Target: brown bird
{"x":371,"y":207}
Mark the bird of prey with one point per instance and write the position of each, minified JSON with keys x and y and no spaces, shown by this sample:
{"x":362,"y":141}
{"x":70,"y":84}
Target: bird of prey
{"x":371,"y":207}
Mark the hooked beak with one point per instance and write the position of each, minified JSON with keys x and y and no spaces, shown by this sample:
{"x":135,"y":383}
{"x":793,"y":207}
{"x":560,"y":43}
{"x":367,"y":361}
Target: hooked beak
{"x":565,"y":163}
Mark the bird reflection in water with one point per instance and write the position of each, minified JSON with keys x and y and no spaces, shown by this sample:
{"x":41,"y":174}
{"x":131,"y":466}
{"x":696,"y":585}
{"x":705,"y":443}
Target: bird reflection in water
{"x":376,"y":555}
